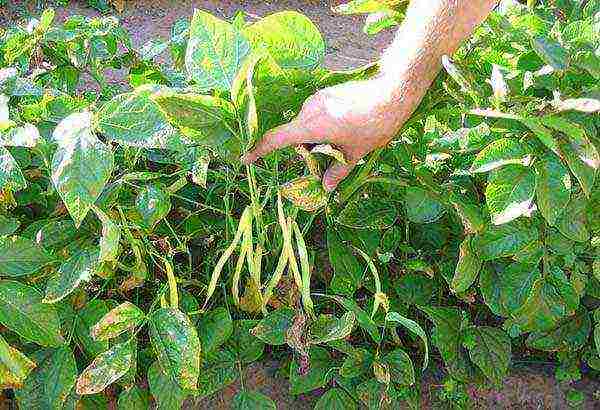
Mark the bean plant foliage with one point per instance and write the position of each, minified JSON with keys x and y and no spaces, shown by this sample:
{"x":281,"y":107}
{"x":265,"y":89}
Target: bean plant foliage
{"x":141,"y":261}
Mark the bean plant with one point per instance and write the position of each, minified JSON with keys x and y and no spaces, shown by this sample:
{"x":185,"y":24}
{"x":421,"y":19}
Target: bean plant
{"x":141,"y":261}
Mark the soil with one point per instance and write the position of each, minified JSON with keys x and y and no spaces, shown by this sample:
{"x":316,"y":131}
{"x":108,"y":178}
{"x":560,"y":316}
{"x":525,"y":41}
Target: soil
{"x":347,"y":47}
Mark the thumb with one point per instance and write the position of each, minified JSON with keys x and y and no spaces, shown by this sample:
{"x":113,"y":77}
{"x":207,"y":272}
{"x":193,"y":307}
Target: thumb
{"x":336,"y":173}
{"x":292,"y":133}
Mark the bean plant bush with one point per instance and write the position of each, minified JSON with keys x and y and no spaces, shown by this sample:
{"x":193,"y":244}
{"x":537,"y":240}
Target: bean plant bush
{"x":141,"y":261}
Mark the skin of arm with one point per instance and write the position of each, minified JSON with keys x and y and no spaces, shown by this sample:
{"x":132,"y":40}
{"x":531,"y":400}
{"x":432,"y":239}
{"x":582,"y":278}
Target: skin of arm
{"x":360,"y":116}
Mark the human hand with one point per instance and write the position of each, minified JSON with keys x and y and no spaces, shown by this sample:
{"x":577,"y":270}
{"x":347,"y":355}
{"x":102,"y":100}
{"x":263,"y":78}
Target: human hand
{"x":355,"y":117}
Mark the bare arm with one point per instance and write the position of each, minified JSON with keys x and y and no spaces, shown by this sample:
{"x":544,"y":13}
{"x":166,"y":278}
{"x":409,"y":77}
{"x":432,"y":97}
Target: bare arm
{"x":360,"y":116}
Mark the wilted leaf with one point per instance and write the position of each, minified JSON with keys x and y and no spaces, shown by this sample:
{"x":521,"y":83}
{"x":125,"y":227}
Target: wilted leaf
{"x":106,"y":369}
{"x":306,"y":193}
{"x":22,"y":311}
{"x":14,"y":366}
{"x":177,"y":346}
{"x":124,"y":317}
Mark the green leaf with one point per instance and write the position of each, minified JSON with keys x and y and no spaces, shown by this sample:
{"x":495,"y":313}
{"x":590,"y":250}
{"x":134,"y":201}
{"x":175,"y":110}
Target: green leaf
{"x":10,"y":173}
{"x":291,"y":39}
{"x":124,"y":317}
{"x":551,"y":52}
{"x":214,"y":328}
{"x":376,"y":213}
{"x":501,"y":152}
{"x":106,"y":369}
{"x":272,"y":329}
{"x":306,"y":193}
{"x":20,"y":257}
{"x":135,"y":119}
{"x":551,"y":299}
{"x":515,"y":285}
{"x":177,"y":345}
{"x":133,"y":398}
{"x":490,"y":349}
{"x":467,"y":268}
{"x":400,"y":367}
{"x":358,"y":362}
{"x":218,"y":371}
{"x":573,"y":222}
{"x":347,"y":272}
{"x":87,"y":317}
{"x":364,"y":6}
{"x":167,"y":394}
{"x":81,"y":165}
{"x":242,"y":344}
{"x":14,"y":366}
{"x":571,"y":335}
{"x":252,"y":400}
{"x":51,"y":382}
{"x":153,"y":204}
{"x":421,"y":206}
{"x":79,"y":268}
{"x":215,"y":52}
{"x":415,"y":289}
{"x":111,"y":236}
{"x":318,"y":375}
{"x":504,"y":240}
{"x":447,"y":336}
{"x":509,"y":193}
{"x":328,"y":328}
{"x":8,"y":226}
{"x":22,"y":311}
{"x":490,"y":291}
{"x":378,"y":21}
{"x":336,"y":399}
{"x":553,"y":187}
{"x":414,"y":327}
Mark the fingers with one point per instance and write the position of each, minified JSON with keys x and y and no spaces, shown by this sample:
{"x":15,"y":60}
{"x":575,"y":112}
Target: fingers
{"x":336,"y":173}
{"x":292,"y":133}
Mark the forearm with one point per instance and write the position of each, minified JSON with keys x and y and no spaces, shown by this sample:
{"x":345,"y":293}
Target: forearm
{"x":431,"y":29}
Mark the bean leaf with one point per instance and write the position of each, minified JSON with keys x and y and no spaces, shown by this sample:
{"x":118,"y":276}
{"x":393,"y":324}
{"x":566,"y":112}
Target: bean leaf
{"x":106,"y":369}
{"x":328,"y":328}
{"x":499,"y":153}
{"x":489,"y":348}
{"x":124,"y":317}
{"x":20,"y":257}
{"x":252,"y":400}
{"x":509,"y":193}
{"x":553,"y":189}
{"x":79,"y":268}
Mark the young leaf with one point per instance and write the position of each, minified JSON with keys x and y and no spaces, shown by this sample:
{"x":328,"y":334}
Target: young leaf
{"x":291,"y":39}
{"x":553,"y":187}
{"x":20,"y":257}
{"x":153,"y":204}
{"x":499,"y":153}
{"x":467,"y":268}
{"x":124,"y":317}
{"x":489,"y":348}
{"x":81,"y":165}
{"x":327,"y":328}
{"x":414,"y":327}
{"x":177,"y":346}
{"x":22,"y":311}
{"x":251,"y":400}
{"x":79,"y":268}
{"x":509,"y":193}
{"x":106,"y":369}
{"x":215,"y":51}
